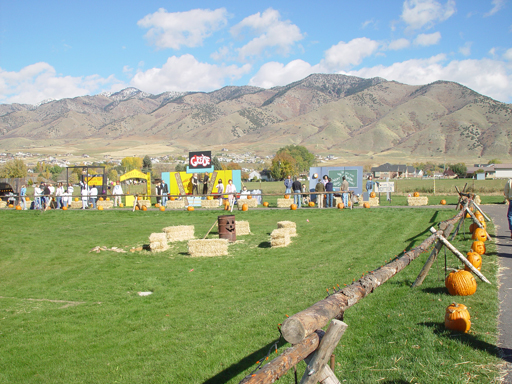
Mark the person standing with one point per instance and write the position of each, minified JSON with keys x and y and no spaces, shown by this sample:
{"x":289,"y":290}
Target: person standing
{"x":345,"y":191}
{"x":288,"y":184}
{"x":508,"y":196}
{"x":220,"y":190}
{"x":59,"y":193}
{"x":85,"y":195}
{"x":320,"y":189}
{"x":195,"y":184}
{"x":329,"y":187}
{"x":46,"y":196}
{"x":297,"y":189}
{"x":38,"y":192}
{"x":370,"y":185}
{"x":231,"y":189}
{"x":165,"y":192}
{"x":117,"y":192}
{"x":23,"y":195}
{"x":158,"y":192}
{"x":93,"y":193}
{"x":206,"y":179}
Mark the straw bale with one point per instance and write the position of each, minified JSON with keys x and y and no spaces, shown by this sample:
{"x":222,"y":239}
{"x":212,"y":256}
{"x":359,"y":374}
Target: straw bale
{"x":209,"y":204}
{"x":290,"y":226}
{"x":208,"y":247}
{"x":141,"y":203}
{"x":242,"y":228}
{"x":3,"y":204}
{"x":76,"y":204}
{"x":417,"y":201}
{"x":280,"y":237}
{"x":280,"y":242}
{"x":176,"y":204}
{"x":337,"y":200}
{"x":251,"y":203}
{"x":158,"y":247}
{"x":158,"y":237}
{"x":105,"y":204}
{"x":179,"y":232}
{"x":284,"y":203}
{"x":374,"y":201}
{"x":478,"y":200}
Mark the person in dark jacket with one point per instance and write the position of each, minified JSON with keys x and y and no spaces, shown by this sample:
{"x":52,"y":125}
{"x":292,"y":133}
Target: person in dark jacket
{"x":297,"y":189}
{"x":329,"y":188}
{"x":320,"y":197}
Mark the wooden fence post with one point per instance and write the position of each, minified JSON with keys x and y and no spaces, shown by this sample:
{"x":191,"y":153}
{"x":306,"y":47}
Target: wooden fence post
{"x":317,"y":369}
{"x":479,"y":210}
{"x":477,"y":222}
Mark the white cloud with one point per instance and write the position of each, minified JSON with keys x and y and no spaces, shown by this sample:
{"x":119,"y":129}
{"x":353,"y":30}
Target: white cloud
{"x":367,"y":23}
{"x":272,"y":32}
{"x":486,"y":76}
{"x":426,"y":39}
{"x":399,"y":44}
{"x":185,"y":73}
{"x":466,"y":48}
{"x":273,"y":74}
{"x":508,"y":54}
{"x":497,"y":5}
{"x":344,"y":55}
{"x":425,"y":13}
{"x":40,"y":81}
{"x":177,"y":29}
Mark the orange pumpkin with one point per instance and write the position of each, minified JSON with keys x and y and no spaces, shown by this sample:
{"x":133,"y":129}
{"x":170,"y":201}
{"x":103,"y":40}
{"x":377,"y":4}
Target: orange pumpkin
{"x":249,"y":197}
{"x":173,"y":198}
{"x":443,"y":202}
{"x":293,"y":207}
{"x":349,"y":204}
{"x":286,"y":196}
{"x":475,"y":259}
{"x":121,"y":205}
{"x":162,"y":208}
{"x":245,"y":207}
{"x":107,"y":199}
{"x":479,"y":234}
{"x":478,"y":247}
{"x":139,"y":198}
{"x":457,"y":318}
{"x":460,"y":283}
{"x":101,"y":199}
{"x":372,"y":194}
{"x":27,"y":198}
{"x":311,"y":204}
{"x":18,"y":207}
{"x":136,"y":207}
{"x":209,"y":197}
{"x":265,"y":203}
{"x":341,"y":205}
{"x":100,"y":207}
{"x":157,"y":205}
{"x":366,"y":204}
{"x":416,"y":194}
{"x":77,"y":199}
{"x":479,"y":216}
{"x":65,"y":208}
{"x":144,"y":208}
{"x":190,"y":208}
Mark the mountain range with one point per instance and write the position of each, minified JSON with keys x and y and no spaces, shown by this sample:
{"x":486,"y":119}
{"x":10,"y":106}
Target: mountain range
{"x":374,"y":120}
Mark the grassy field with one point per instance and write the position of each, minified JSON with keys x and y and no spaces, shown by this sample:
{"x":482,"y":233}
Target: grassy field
{"x":71,"y":316}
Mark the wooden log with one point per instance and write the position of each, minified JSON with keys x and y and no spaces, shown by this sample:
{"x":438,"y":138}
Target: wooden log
{"x":477,"y":222}
{"x":433,"y":256}
{"x":322,"y":355}
{"x":459,"y":255}
{"x":479,"y":210}
{"x":303,"y":323}
{"x":282,"y":363}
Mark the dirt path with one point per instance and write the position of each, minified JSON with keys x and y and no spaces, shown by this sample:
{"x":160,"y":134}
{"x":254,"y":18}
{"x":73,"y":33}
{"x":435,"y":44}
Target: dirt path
{"x":498,"y":214}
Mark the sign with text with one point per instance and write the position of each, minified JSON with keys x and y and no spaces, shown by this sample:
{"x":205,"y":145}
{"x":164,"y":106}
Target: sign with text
{"x":350,"y":175}
{"x":386,"y":187}
{"x":200,"y":160}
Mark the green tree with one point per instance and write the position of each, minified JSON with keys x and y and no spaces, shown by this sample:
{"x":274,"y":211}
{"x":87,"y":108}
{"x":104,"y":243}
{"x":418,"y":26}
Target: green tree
{"x":130,"y":163}
{"x":460,"y":169}
{"x":147,"y":165}
{"x":14,"y":168}
{"x":217,"y":165}
{"x":303,"y":158}
{"x":233,"y":166}
{"x":112,"y":175}
{"x":283,"y":164}
{"x":73,"y":178}
{"x":494,"y":161}
{"x":180,"y":168}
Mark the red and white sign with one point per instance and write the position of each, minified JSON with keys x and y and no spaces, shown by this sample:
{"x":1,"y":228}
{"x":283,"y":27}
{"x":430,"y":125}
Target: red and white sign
{"x":200,"y":159}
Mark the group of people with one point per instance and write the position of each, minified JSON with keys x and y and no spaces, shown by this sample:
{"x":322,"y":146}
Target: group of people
{"x":44,"y":194}
{"x":195,"y":182}
{"x":230,"y":189}
{"x":162,"y":192}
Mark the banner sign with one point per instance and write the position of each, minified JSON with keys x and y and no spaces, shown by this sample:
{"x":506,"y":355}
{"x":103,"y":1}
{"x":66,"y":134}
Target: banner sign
{"x":199,"y":160}
{"x":386,"y":187}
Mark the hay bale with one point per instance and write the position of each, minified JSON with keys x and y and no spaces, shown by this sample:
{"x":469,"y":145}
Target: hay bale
{"x":179,"y":232}
{"x":242,"y":228}
{"x":208,"y":247}
{"x":478,"y":200}
{"x":251,"y":203}
{"x":76,"y":204}
{"x":209,"y":204}
{"x":176,"y":204}
{"x":143,"y":202}
{"x":374,"y":201}
{"x":280,"y":238}
{"x":105,"y":204}
{"x":158,"y":242}
{"x":284,"y":203}
{"x":337,"y":200}
{"x":417,"y":201}
{"x":290,"y":226}
{"x":3,"y":204}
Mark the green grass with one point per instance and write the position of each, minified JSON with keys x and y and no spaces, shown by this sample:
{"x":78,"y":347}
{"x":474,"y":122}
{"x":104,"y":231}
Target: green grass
{"x":210,"y":319}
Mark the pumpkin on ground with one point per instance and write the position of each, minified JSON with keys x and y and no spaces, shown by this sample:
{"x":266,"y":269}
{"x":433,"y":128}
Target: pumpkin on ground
{"x":65,"y":208}
{"x":293,"y":207}
{"x":265,"y":203}
{"x":372,"y":194}
{"x":341,"y":205}
{"x":162,"y":208}
{"x":245,"y":207}
{"x":100,"y":207}
{"x":18,"y":207}
{"x":349,"y":204}
{"x":475,"y":259}
{"x":479,"y":216}
{"x":457,"y":318}
{"x":136,"y":207}
{"x":27,"y":198}
{"x":157,"y":205}
{"x":366,"y":204}
{"x":478,"y":247}
{"x":121,"y":205}
{"x":460,"y":283}
{"x":144,"y":208}
{"x":479,"y":234}
{"x":209,"y":197}
{"x":190,"y":208}
{"x":11,"y":206}
{"x":443,"y":202}
{"x":311,"y":204}
{"x":286,"y":196}
{"x":416,"y":194}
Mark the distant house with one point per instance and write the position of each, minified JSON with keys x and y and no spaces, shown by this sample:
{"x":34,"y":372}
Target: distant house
{"x":254,"y":175}
{"x":503,"y":171}
{"x":449,"y":174}
{"x":265,"y":175}
{"x":481,"y":171}
{"x":393,"y":171}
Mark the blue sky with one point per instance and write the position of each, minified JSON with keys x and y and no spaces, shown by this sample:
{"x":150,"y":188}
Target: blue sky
{"x":57,"y":49}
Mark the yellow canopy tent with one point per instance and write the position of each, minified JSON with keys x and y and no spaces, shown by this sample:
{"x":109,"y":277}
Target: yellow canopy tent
{"x":136,"y":174}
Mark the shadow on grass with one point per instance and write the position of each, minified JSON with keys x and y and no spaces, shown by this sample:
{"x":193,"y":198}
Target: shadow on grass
{"x":241,"y":366}
{"x":466,"y":338}
{"x":435,"y":290}
{"x":265,"y":244}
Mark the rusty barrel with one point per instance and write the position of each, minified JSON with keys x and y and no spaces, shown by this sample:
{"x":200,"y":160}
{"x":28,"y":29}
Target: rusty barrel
{"x":227,"y":229}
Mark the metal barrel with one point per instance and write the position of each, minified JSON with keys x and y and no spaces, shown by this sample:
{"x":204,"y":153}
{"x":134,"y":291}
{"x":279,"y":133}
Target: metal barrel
{"x":227,"y":228}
